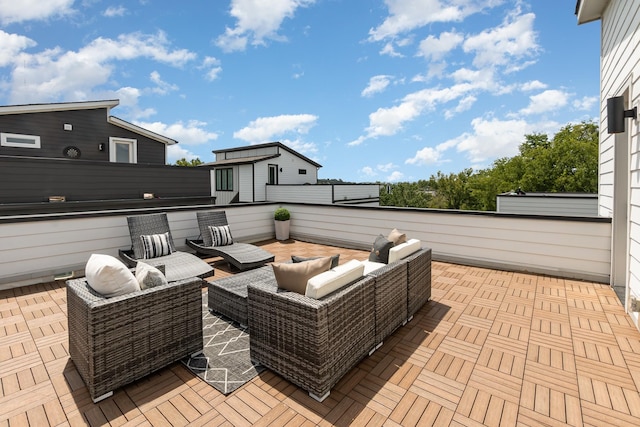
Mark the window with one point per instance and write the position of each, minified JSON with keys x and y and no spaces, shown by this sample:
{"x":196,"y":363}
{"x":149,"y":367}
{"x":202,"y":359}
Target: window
{"x":302,"y":171}
{"x":273,"y":175}
{"x":20,"y":141}
{"x":123,"y":150}
{"x":224,"y":179}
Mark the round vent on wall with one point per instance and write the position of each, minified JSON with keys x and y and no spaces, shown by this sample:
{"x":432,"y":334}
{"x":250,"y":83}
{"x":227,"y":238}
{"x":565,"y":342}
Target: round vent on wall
{"x":71,"y":152}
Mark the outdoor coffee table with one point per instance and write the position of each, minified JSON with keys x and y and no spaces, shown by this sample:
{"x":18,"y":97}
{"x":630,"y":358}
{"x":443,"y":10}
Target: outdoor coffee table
{"x":228,"y":296}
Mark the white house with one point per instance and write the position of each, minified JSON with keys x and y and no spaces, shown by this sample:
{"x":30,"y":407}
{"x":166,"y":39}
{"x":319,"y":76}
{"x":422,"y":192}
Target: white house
{"x":242,"y":174}
{"x":619,"y":158}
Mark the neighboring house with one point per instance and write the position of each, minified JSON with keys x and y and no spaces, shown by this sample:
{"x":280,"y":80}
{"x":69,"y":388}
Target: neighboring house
{"x":242,"y":174}
{"x":78,"y":130}
{"x":619,"y":157}
{"x":564,"y":204}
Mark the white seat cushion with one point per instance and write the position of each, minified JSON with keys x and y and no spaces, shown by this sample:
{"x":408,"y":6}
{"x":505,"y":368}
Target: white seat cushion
{"x":109,"y":277}
{"x":334,"y":279}
{"x":370,"y":266}
{"x":404,"y":250}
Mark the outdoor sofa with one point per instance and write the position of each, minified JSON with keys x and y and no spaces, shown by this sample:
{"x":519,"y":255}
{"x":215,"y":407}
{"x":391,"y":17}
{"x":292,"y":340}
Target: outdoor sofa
{"x":242,"y":256}
{"x":114,"y":341}
{"x":315,"y":342}
{"x":177,"y":265}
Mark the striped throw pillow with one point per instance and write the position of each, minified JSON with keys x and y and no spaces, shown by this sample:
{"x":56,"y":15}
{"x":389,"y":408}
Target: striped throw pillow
{"x":220,"y":236}
{"x":156,"y":245}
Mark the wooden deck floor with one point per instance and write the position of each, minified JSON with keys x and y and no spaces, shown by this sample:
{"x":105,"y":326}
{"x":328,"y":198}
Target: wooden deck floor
{"x":492,"y":348}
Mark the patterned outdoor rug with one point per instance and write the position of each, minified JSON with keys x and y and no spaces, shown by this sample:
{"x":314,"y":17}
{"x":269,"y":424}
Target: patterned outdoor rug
{"x":225,"y":363}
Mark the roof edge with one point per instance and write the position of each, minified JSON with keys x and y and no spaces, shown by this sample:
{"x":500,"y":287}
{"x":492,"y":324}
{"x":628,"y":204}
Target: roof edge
{"x":59,"y":106}
{"x":590,"y":10}
{"x":137,"y":129}
{"x":269,"y":144}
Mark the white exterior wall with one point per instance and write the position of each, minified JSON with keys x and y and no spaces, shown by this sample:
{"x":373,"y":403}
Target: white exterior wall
{"x":225,"y":197}
{"x":260,"y":179}
{"x":245,"y":183}
{"x":290,"y":165}
{"x":33,"y":250}
{"x":553,"y":205}
{"x":252,"y":152}
{"x":299,"y":193}
{"x":355,"y":192}
{"x":620,"y":69}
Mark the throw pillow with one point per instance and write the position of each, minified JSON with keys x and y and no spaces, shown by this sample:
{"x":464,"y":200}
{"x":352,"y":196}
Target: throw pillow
{"x":397,"y":237}
{"x":149,"y":276}
{"x":294,"y":277}
{"x":221,"y":235}
{"x":335,"y":259}
{"x":380,"y":250}
{"x":156,"y":245}
{"x":109,"y":277}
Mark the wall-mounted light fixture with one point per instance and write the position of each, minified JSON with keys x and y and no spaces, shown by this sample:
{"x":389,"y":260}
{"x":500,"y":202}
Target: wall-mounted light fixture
{"x":280,"y":169}
{"x":101,"y":147}
{"x":616,"y":114}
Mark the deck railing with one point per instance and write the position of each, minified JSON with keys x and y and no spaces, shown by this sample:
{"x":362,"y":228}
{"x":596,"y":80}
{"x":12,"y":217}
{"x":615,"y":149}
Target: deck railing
{"x":35,"y":248}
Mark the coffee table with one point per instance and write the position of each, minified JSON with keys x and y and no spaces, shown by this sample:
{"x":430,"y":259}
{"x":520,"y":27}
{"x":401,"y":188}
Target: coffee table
{"x":228,"y":296}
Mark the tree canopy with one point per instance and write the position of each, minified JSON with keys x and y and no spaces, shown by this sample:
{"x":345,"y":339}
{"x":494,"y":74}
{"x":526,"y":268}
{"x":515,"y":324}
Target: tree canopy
{"x":192,"y":162}
{"x":566,"y":163}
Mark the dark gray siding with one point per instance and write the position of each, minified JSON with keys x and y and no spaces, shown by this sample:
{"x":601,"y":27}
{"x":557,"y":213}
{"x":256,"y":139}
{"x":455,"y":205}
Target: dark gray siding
{"x":90,"y":128}
{"x":31,"y":180}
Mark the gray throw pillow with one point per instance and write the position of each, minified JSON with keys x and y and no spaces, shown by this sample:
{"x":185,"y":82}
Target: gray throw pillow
{"x":380,"y":250}
{"x":335,"y":259}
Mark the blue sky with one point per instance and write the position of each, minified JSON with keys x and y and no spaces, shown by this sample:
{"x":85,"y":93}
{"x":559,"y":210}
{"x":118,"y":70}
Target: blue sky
{"x":380,"y":90}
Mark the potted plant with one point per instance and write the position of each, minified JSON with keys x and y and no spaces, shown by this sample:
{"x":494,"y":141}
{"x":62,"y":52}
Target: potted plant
{"x":281,"y":220}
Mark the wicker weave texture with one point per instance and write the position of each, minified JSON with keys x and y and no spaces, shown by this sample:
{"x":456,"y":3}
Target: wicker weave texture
{"x":242,"y":256}
{"x":312,"y":343}
{"x":418,"y":280}
{"x":228,"y":296}
{"x":118,"y":340}
{"x":390,"y":298}
{"x":140,"y":225}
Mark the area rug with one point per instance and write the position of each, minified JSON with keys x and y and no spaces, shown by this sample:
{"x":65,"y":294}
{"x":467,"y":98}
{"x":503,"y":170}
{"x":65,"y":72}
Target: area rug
{"x":225,"y":362}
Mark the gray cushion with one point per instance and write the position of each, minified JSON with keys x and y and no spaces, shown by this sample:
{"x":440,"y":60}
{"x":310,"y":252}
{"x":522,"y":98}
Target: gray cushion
{"x":380,"y":250}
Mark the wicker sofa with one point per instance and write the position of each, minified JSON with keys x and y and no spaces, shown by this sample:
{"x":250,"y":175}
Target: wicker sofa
{"x":313,"y":343}
{"x":114,"y":341}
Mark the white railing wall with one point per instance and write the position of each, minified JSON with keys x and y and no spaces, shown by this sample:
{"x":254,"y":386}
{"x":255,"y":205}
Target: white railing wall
{"x":322,"y":193}
{"x":36,"y":249}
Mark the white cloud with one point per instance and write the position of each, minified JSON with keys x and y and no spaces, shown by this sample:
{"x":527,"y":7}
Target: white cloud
{"x":513,"y":40}
{"x":264,"y":129}
{"x":162,"y":87}
{"x":191,"y":133}
{"x":113,"y":11}
{"x":368,"y":171}
{"x":465,"y":104}
{"x":11,"y":45}
{"x":395,"y":176}
{"x":257,"y":21}
{"x":425,"y":156}
{"x":377,"y":84}
{"x":27,"y":10}
{"x":532,"y":85}
{"x":386,"y":167}
{"x":54,"y":75}
{"x":407,"y":15}
{"x":585,"y":103}
{"x":549,"y":100}
{"x":212,"y":67}
{"x":435,"y":48}
{"x":176,"y":152}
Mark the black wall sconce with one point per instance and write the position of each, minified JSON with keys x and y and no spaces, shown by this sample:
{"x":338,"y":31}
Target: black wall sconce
{"x":101,"y":147}
{"x":616,"y":114}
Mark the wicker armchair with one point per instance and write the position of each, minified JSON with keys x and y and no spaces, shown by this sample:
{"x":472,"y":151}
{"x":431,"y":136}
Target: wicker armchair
{"x":114,"y":341}
{"x":310,"y":342}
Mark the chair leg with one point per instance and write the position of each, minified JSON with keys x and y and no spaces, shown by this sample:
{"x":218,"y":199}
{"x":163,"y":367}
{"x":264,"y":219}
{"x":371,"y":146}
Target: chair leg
{"x":102,"y":397}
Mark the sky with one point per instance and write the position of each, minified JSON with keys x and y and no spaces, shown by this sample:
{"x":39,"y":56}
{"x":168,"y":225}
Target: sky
{"x":377,"y":90}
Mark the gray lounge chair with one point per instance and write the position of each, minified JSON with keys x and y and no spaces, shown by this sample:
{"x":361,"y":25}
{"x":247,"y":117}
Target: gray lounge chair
{"x":178,"y":265}
{"x":242,"y":256}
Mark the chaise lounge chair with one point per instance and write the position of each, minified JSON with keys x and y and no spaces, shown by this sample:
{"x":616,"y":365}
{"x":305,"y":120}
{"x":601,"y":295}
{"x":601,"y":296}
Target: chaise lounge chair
{"x":242,"y":256}
{"x":177,"y":265}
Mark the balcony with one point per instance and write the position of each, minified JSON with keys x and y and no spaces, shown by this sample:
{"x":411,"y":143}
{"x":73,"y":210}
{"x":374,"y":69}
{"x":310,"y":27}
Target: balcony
{"x":523,"y":328}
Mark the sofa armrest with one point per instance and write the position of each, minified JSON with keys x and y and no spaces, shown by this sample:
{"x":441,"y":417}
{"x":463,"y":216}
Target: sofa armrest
{"x":390,"y":298}
{"x":312,"y":343}
{"x":418,"y":280}
{"x":114,"y":341}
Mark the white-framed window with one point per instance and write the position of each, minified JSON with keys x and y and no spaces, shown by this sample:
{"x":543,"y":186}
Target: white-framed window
{"x":123,"y":150}
{"x":18,"y":140}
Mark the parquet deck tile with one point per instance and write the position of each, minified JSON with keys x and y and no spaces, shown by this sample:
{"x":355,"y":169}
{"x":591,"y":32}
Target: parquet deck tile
{"x":491,"y":348}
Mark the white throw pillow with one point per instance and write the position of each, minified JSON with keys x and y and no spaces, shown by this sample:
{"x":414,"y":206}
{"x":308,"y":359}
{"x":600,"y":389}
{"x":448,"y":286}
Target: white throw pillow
{"x":109,"y":277}
{"x":148,"y":276}
{"x":220,"y":235}
{"x":404,"y":250}
{"x":334,"y":279}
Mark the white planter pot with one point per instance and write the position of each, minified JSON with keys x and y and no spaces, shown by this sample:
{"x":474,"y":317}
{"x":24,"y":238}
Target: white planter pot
{"x":282,"y":230}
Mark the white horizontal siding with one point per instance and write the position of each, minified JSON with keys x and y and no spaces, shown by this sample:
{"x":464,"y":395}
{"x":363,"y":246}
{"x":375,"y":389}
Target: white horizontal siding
{"x":299,"y":193}
{"x":356,"y":192}
{"x":567,"y":206}
{"x":31,"y":251}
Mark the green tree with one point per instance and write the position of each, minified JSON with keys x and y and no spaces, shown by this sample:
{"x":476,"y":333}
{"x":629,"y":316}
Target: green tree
{"x":192,"y":162}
